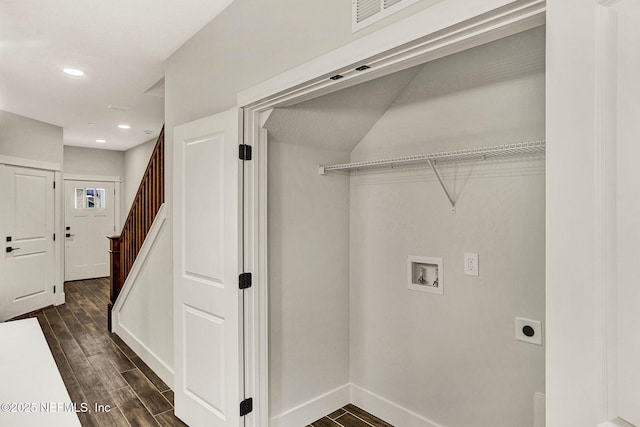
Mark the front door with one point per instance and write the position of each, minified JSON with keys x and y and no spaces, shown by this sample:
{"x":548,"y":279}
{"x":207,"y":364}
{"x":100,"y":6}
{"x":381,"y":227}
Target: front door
{"x":89,"y":219}
{"x":207,"y":301}
{"x":27,"y":223}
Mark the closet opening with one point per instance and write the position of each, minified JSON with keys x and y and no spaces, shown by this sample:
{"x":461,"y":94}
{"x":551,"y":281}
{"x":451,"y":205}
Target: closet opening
{"x":405,"y":254}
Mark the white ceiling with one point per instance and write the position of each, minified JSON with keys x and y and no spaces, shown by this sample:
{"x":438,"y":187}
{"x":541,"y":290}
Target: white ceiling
{"x":121,"y":45}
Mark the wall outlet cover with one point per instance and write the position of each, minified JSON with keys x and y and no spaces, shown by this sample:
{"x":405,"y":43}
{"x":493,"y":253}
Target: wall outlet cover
{"x":528,"y":330}
{"x":471,"y":264}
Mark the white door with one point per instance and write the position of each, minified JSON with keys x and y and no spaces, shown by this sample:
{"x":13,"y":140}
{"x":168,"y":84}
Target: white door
{"x":27,"y":224}
{"x":207,"y":301}
{"x":89,"y":219}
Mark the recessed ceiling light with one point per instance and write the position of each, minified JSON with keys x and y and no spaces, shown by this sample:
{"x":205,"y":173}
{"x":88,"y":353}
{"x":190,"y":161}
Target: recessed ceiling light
{"x":101,"y":141}
{"x":124,"y":126}
{"x":73,"y":72}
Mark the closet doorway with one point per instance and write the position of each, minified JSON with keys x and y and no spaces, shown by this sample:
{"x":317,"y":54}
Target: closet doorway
{"x":430,"y":178}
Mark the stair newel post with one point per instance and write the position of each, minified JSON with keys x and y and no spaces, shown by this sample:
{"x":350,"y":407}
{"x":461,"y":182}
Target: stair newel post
{"x":116,"y":273}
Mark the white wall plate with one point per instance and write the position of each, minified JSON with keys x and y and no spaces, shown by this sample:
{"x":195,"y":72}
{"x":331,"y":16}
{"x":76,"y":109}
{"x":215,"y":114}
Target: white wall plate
{"x":528,"y":330}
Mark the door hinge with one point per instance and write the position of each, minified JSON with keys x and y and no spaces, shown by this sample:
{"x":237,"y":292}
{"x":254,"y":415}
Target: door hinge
{"x":245,"y":280}
{"x":54,"y":184}
{"x":54,"y":289}
{"x":54,"y":237}
{"x":245,"y":152}
{"x":246,"y":406}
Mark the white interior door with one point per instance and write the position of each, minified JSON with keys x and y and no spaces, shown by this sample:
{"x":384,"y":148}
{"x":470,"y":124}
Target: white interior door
{"x":27,"y":223}
{"x":207,"y":320}
{"x":89,"y":219}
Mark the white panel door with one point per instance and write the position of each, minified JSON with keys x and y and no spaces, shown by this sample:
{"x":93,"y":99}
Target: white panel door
{"x":89,"y":219}
{"x":27,"y":224}
{"x":207,"y":301}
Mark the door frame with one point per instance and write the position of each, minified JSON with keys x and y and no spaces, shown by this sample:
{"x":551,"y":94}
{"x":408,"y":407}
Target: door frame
{"x":58,"y":216}
{"x":444,"y":29}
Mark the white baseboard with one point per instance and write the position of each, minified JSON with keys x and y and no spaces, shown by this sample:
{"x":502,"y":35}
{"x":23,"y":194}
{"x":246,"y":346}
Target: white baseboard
{"x":310,"y":411}
{"x":350,"y":393}
{"x":618,"y":422}
{"x":387,"y":410}
{"x":149,"y":357}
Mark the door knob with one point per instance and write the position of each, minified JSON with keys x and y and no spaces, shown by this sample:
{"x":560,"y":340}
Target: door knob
{"x":10,"y":249}
{"x":69,"y":235}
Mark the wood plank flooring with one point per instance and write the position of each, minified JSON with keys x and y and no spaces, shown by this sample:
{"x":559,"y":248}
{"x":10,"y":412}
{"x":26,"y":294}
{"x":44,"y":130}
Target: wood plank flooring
{"x":349,"y":416}
{"x":97,"y":367}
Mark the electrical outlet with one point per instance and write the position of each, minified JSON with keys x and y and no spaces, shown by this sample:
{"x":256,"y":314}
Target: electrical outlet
{"x":528,"y":330}
{"x":470,"y":264}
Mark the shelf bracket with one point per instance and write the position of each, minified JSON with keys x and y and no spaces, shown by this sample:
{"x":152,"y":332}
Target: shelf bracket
{"x":442,"y":184}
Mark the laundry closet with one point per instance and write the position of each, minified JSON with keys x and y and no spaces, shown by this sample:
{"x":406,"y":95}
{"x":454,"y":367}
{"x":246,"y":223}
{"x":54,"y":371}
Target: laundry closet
{"x":396,"y":285}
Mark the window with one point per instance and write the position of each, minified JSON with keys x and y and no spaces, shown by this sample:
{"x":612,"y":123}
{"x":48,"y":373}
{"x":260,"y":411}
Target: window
{"x":90,"y":198}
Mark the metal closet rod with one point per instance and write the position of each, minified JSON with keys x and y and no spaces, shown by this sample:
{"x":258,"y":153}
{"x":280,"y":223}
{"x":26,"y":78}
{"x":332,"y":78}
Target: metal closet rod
{"x":480,"y":153}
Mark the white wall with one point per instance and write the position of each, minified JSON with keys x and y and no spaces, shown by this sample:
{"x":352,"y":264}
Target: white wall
{"x":30,"y":139}
{"x":136,"y":160}
{"x":143,"y":314}
{"x":454,"y":359}
{"x":94,"y":161}
{"x":308,"y":275}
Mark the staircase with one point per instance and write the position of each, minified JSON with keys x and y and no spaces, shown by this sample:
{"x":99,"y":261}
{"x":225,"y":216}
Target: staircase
{"x":124,"y":248}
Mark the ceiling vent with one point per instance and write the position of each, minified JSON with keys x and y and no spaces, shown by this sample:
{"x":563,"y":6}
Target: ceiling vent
{"x":366,"y":12}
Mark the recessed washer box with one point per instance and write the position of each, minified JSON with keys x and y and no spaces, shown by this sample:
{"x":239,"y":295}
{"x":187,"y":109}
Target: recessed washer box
{"x":425,"y":274}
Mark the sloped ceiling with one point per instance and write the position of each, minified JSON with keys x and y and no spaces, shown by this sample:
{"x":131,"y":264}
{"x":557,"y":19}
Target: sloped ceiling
{"x":489,"y":95}
{"x":422,"y":102}
{"x":338,"y":121}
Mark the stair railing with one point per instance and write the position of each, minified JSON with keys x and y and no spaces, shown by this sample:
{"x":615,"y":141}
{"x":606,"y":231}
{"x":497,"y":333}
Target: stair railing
{"x":124,"y":248}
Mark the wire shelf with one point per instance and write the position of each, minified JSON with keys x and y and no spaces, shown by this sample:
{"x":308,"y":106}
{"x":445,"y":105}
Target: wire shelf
{"x":481,"y":153}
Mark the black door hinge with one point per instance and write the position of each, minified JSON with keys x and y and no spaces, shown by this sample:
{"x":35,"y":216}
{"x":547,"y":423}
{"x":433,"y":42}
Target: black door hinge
{"x":245,"y":280}
{"x":54,"y":289}
{"x":245,"y":152}
{"x":54,"y":184}
{"x":54,"y":237}
{"x":246,"y":406}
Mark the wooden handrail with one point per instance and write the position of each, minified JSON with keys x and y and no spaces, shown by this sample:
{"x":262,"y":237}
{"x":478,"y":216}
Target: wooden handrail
{"x":125,"y":247}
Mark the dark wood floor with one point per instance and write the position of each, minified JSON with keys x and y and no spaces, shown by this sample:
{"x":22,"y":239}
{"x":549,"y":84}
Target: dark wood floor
{"x":350,"y":416}
{"x":98,"y":367}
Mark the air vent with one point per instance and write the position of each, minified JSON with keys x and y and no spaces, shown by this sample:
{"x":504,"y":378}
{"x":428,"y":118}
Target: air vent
{"x":366,"y":9}
{"x":389,"y":3}
{"x":366,"y":12}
